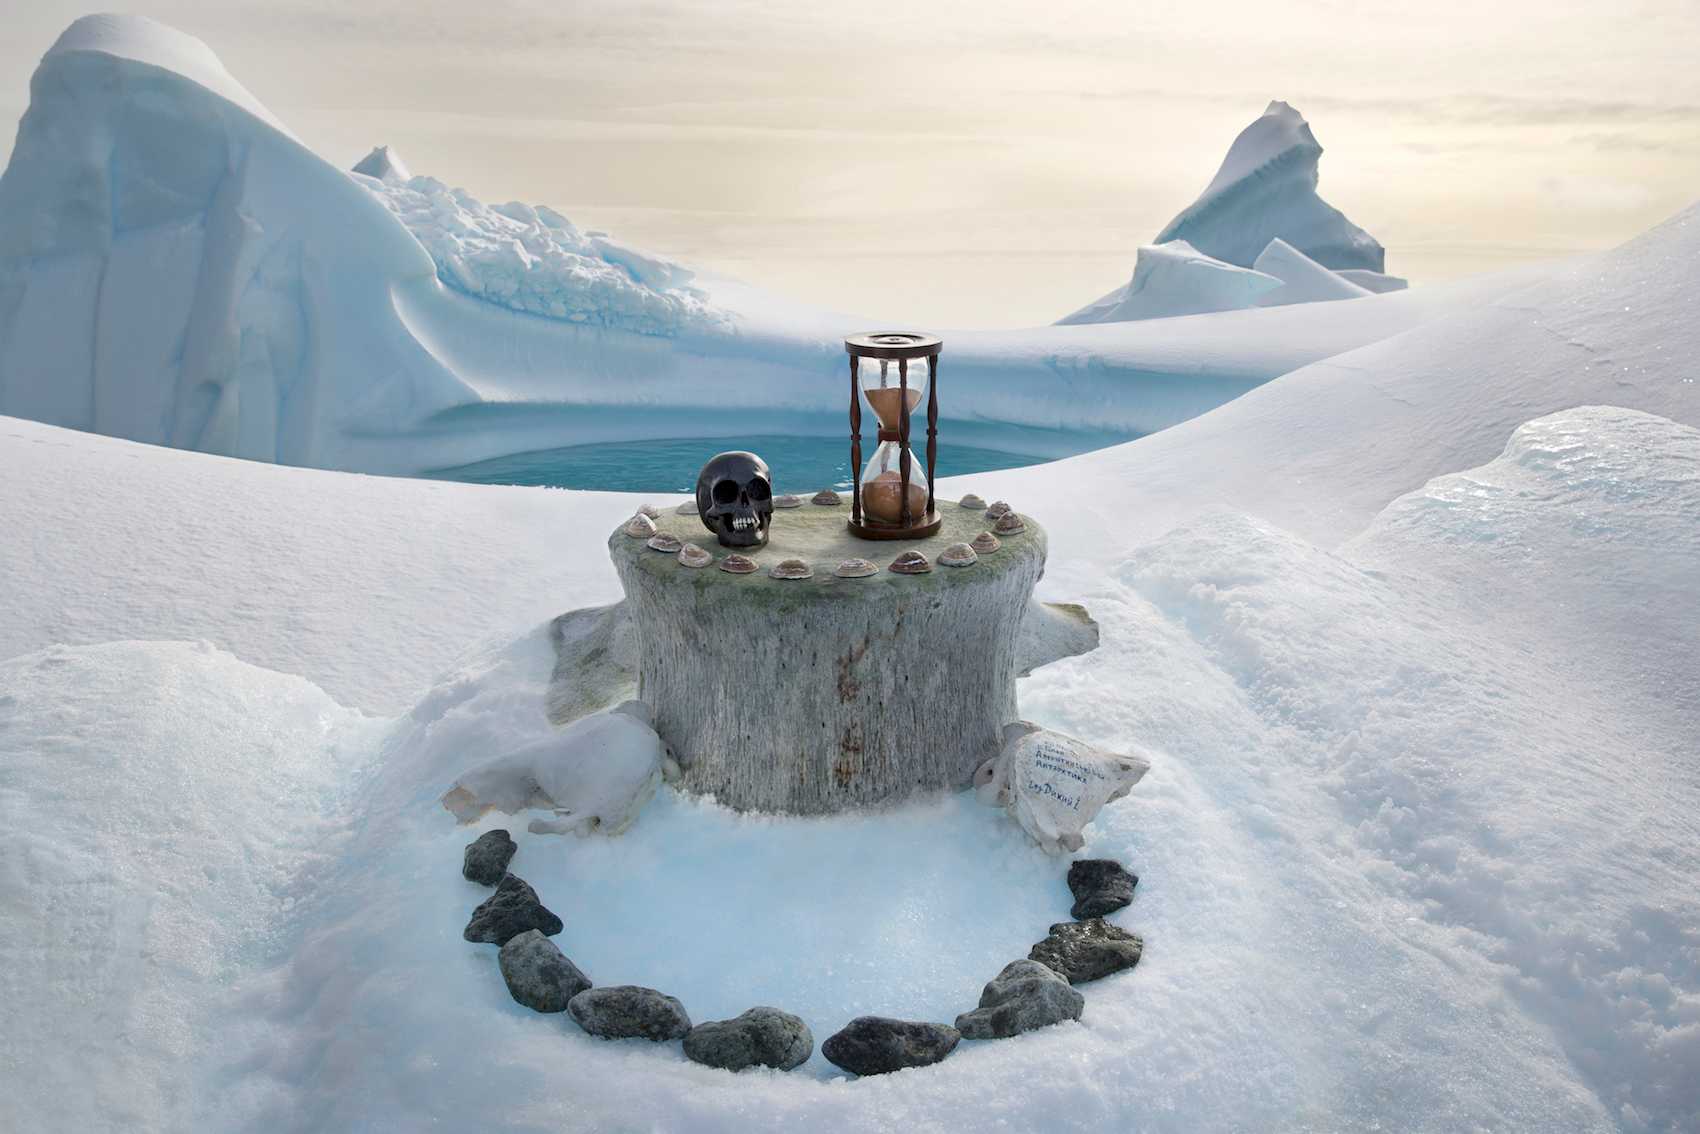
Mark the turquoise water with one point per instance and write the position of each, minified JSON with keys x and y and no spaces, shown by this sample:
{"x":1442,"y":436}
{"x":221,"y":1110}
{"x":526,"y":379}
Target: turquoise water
{"x":800,"y":464}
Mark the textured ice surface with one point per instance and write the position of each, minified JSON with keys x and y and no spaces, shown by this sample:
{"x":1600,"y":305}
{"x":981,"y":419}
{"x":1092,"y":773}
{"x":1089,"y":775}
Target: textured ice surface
{"x":1303,"y":280}
{"x":535,"y":260}
{"x":1176,"y":279}
{"x":384,"y":164}
{"x":1266,"y":188}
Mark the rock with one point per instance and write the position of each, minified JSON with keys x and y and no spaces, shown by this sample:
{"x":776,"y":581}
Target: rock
{"x":761,"y":1037}
{"x":595,"y":774}
{"x":1087,"y":950}
{"x":1099,"y":886}
{"x":1026,"y":995}
{"x":487,"y":857}
{"x":509,"y":912}
{"x":875,"y":1045}
{"x":539,"y":976}
{"x":627,"y":1011}
{"x":1053,"y":784}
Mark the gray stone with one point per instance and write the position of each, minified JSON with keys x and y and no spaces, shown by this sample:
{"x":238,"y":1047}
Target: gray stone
{"x":1100,"y":886}
{"x":1026,"y":995}
{"x":539,"y":976}
{"x":487,"y":857}
{"x":761,"y":1037}
{"x":875,"y":1045}
{"x":626,"y":1011}
{"x":509,"y":912}
{"x":1086,"y":950}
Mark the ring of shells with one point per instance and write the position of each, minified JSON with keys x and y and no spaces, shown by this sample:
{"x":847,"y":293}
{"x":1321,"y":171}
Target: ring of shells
{"x":1004,"y":520}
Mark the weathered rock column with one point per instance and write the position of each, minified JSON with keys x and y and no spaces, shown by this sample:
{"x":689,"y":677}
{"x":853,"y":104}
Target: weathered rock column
{"x":824,"y":694}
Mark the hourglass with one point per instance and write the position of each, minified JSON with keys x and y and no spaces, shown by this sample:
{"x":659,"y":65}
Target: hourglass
{"x":892,"y":497}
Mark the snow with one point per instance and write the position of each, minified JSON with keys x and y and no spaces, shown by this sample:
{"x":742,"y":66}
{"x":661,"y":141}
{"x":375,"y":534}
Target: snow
{"x":1411,"y":627}
{"x":1303,"y":280}
{"x":1266,"y":188}
{"x":250,"y":299}
{"x":1176,"y":279}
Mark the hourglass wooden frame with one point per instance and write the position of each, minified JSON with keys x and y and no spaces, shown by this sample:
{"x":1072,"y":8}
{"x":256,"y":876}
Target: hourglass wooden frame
{"x":902,"y":347}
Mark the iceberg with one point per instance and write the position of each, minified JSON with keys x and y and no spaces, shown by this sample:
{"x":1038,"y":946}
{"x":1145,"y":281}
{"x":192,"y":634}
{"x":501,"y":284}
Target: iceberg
{"x":384,"y":164}
{"x":1303,"y":280}
{"x":1266,"y":189}
{"x":177,"y":268}
{"x":1176,"y":279}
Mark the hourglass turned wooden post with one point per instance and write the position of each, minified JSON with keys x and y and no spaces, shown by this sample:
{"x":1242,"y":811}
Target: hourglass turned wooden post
{"x":903,"y":441}
{"x":932,"y":424}
{"x":855,"y":446}
{"x":891,"y":498}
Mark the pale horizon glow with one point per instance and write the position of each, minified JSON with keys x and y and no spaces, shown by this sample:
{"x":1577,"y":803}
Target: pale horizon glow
{"x":972,"y":165}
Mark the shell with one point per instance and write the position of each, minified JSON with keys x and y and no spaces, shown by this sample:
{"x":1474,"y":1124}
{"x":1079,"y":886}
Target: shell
{"x":665,"y":541}
{"x":996,"y":510}
{"x":972,"y":501}
{"x":688,"y":508}
{"x":736,"y":564}
{"x":826,"y":498}
{"x":791,"y":569}
{"x":911,"y":563}
{"x":787,"y":501}
{"x":691,"y":555}
{"x":650,"y":510}
{"x":640,"y":526}
{"x":958,"y":555}
{"x":985,"y":543}
{"x":1009,"y":524}
{"x":856,"y":569}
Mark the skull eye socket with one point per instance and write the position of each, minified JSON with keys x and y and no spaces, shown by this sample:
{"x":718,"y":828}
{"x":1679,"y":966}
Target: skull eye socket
{"x":725,"y":491}
{"x":759,"y":489}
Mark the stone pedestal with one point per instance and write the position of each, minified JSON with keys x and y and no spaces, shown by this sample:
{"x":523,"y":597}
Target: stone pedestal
{"x":825,"y":694}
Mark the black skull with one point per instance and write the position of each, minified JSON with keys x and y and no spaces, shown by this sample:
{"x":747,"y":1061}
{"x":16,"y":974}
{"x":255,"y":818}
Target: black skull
{"x":735,"y":499}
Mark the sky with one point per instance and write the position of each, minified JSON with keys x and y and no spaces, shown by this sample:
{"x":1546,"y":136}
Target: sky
{"x":976,"y":164}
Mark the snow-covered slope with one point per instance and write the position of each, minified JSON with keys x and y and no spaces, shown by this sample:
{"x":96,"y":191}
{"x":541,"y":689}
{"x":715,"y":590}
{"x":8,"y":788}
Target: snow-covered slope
{"x":1303,"y":280}
{"x":1176,"y":279}
{"x":1266,"y":188}
{"x":176,"y":268}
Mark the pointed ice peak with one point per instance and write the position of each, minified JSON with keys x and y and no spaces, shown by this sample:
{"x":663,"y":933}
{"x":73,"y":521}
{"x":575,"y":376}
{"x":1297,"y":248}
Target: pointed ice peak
{"x":384,"y":164}
{"x":1266,"y":188}
{"x":1281,"y":130}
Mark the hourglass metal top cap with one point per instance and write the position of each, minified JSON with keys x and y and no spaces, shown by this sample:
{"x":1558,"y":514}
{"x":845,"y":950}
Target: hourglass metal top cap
{"x":893,"y":344}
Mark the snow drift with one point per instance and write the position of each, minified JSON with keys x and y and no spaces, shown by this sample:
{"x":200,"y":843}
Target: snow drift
{"x":1266,"y":188}
{"x":176,"y":268}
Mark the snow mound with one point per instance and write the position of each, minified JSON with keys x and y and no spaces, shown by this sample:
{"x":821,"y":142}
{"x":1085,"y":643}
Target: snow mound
{"x":384,"y":164}
{"x":164,"y":811}
{"x":1379,"y":282}
{"x":1266,"y":188}
{"x":533,"y":259}
{"x":1303,"y":280}
{"x":1176,"y":279}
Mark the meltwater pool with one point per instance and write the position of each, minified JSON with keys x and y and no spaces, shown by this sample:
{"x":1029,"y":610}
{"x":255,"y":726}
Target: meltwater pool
{"x":800,"y":464}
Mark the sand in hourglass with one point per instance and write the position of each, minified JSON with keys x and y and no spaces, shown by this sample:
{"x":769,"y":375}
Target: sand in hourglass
{"x":882,"y":498}
{"x":885,"y":401}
